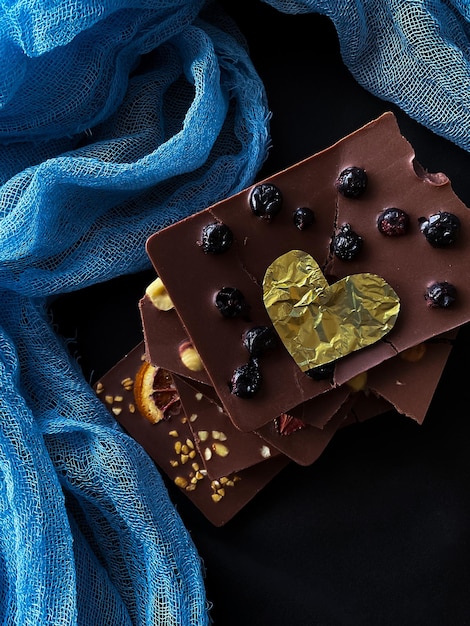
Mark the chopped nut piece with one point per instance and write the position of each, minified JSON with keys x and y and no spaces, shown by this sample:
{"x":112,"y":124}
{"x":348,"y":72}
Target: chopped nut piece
{"x":190,"y":357}
{"x":265,"y":452}
{"x":220,"y":449}
{"x":216,"y":497}
{"x":193,"y":417}
{"x":127,"y":383}
{"x":207,"y":454}
{"x":203,"y":435}
{"x":414,"y":354}
{"x":131,"y":407}
{"x":118,"y":398}
{"x":116,"y":410}
{"x":99,"y":387}
{"x":181,"y":482}
{"x":173,"y":433}
{"x":178,"y":447}
{"x":198,"y":396}
{"x":358,"y":383}
{"x":217,"y":434}
{"x":109,"y":399}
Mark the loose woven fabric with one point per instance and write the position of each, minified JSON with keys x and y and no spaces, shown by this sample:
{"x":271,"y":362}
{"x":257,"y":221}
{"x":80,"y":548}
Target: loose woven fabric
{"x":117,"y":118}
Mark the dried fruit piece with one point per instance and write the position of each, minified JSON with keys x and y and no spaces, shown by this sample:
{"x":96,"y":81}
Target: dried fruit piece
{"x":216,"y":238}
{"x":155,"y":394}
{"x":265,"y":200}
{"x":440,"y":295}
{"x":246,"y":380}
{"x":393,"y":222}
{"x":440,"y":229}
{"x":287,"y":424}
{"x":158,"y":295}
{"x":352,"y":182}
{"x":347,"y":243}
{"x":303,"y":217}
{"x":231,"y":302}
{"x":260,"y":339}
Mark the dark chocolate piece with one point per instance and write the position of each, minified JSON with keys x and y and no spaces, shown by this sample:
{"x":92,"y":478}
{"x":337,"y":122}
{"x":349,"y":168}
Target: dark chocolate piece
{"x":408,"y":264}
{"x":224,"y":449}
{"x":171,"y":445}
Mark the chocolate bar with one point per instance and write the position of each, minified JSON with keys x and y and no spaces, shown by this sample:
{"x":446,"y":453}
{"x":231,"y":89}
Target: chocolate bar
{"x":169,"y":442}
{"x":400,"y":238}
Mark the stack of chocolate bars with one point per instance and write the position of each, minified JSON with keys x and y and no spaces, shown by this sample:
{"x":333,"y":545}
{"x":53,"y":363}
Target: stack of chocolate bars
{"x":324,"y":295}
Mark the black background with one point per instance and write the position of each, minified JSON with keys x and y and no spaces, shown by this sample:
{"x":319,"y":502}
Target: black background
{"x":377,"y":532}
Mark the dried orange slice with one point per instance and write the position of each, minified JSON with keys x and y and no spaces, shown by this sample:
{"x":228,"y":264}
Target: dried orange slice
{"x":155,"y":393}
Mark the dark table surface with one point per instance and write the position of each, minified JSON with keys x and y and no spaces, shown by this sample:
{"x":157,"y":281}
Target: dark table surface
{"x":377,"y":532}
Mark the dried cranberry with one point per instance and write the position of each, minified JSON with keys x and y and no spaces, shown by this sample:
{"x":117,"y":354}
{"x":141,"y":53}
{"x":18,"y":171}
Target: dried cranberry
{"x":231,"y":302}
{"x":440,"y":229}
{"x":259,"y":339}
{"x":347,"y":243}
{"x":303,"y":217}
{"x":322,"y":372}
{"x":393,"y":222}
{"x":246,"y":380}
{"x":287,"y":424}
{"x":216,"y":238}
{"x":352,"y":182}
{"x":441,"y":295}
{"x":265,"y":200}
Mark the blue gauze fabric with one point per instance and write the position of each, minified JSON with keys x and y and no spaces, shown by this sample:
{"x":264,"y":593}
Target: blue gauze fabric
{"x":117,"y":118}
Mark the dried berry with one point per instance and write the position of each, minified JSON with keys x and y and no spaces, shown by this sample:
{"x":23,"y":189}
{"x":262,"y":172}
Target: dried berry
{"x":303,"y":217}
{"x":322,"y":372}
{"x":440,"y":229}
{"x":216,"y":238}
{"x":393,"y":222}
{"x":265,"y":200}
{"x":441,"y":295}
{"x":259,"y":339}
{"x":246,"y":380}
{"x":287,"y":424}
{"x":231,"y":302}
{"x":347,"y":243}
{"x":352,"y":182}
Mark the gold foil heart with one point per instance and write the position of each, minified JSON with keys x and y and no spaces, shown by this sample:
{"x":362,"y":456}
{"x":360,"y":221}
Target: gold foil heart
{"x":319,"y":323}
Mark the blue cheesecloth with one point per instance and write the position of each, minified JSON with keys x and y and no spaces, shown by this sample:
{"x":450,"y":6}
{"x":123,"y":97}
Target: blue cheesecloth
{"x":117,"y":118}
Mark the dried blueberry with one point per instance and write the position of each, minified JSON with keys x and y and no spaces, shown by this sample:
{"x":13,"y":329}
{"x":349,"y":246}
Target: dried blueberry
{"x":216,"y":238}
{"x":440,"y":229}
{"x":441,"y":295}
{"x":259,"y":339}
{"x":347,"y":243}
{"x":322,"y":372}
{"x":303,"y":217}
{"x":352,"y":182}
{"x":246,"y":380}
{"x":231,"y":302}
{"x":393,"y":222}
{"x":265,"y":200}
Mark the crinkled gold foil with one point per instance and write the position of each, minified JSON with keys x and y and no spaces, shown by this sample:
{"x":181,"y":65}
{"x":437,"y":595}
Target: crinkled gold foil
{"x":319,"y":323}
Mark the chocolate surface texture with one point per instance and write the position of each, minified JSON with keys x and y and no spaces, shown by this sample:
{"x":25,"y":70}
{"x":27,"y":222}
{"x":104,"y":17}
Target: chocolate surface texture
{"x":408,"y":263}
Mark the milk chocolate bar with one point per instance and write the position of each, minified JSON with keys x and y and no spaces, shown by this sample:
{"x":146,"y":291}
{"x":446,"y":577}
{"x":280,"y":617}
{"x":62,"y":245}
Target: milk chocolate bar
{"x":170,"y":443}
{"x":404,"y":227}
